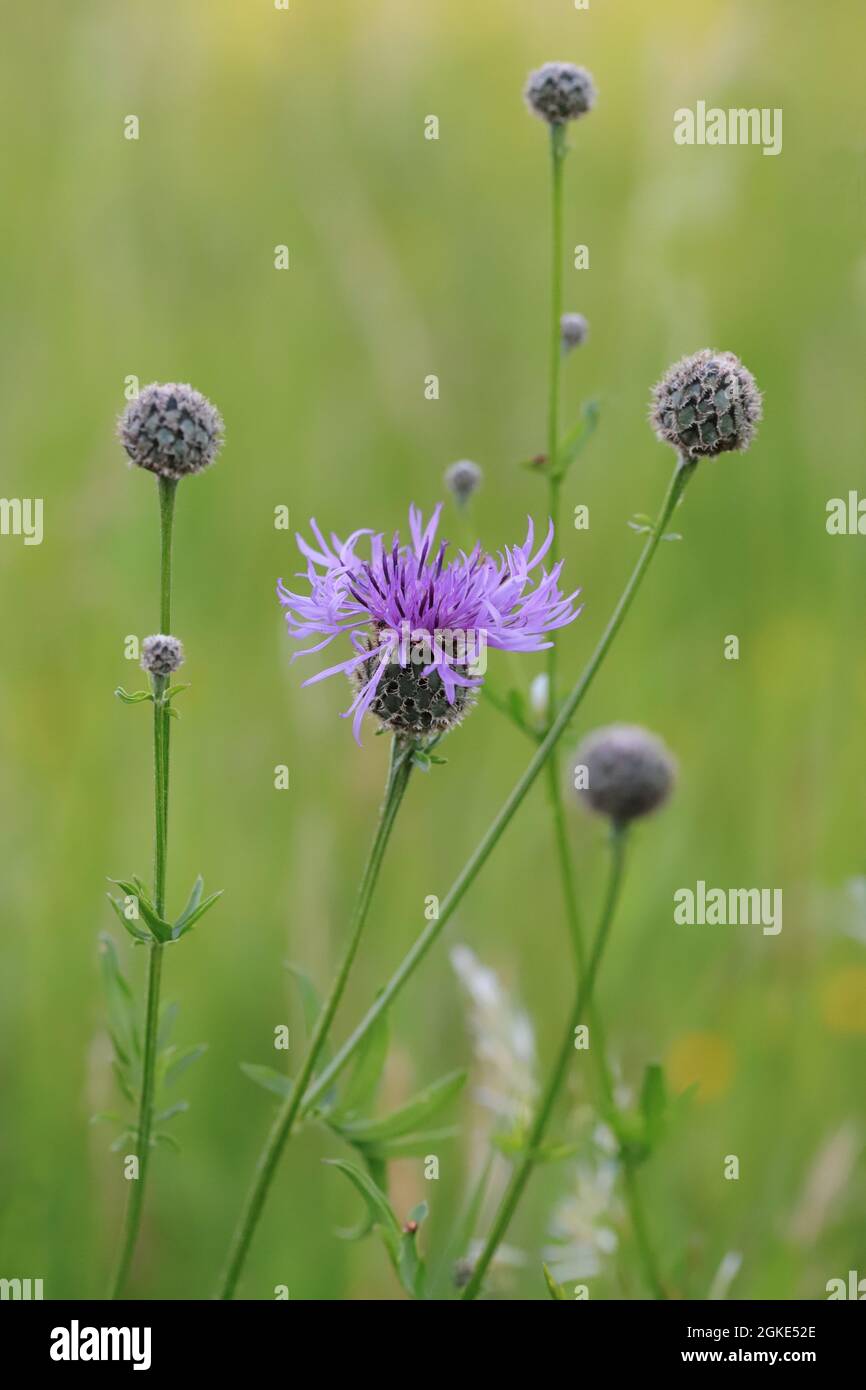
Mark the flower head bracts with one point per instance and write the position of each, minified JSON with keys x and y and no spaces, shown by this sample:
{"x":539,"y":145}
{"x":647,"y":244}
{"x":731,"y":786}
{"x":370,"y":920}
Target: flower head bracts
{"x":408,"y":604}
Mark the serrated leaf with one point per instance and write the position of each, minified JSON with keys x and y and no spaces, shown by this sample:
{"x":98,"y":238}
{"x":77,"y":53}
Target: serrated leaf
{"x":555,"y":1290}
{"x":269,"y":1079}
{"x":408,"y":1117}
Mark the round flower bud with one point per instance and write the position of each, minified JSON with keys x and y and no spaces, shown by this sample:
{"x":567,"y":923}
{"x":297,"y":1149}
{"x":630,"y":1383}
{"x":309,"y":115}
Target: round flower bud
{"x":559,"y":92}
{"x":462,"y":479}
{"x":706,"y":404}
{"x":574,"y":330}
{"x":160,"y":654}
{"x":629,"y":772}
{"x":171,"y":430}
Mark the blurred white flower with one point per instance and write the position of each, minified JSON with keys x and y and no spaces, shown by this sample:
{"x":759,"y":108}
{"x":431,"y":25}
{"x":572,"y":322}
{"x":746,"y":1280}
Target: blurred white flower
{"x":826,"y":1182}
{"x":504,"y":1042}
{"x":725,"y":1276}
{"x":539,"y":696}
{"x":581,"y":1226}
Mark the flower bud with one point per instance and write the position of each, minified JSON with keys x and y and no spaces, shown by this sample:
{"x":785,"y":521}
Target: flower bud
{"x":629,"y":772}
{"x":559,"y":92}
{"x":706,"y":404}
{"x":574,"y":330}
{"x":171,"y":430}
{"x":462,"y":479}
{"x":160,"y":654}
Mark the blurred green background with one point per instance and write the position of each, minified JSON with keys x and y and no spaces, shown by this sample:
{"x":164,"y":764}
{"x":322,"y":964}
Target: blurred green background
{"x":408,"y":257}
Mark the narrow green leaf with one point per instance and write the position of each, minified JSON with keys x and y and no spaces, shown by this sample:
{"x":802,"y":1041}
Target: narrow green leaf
{"x":161,"y":1137}
{"x":167,"y":1016}
{"x":555,"y":1290}
{"x":311,"y":1005}
{"x":190,"y":918}
{"x":410,"y":1267}
{"x":132,"y":699}
{"x":653,"y":1103}
{"x":378,"y":1206}
{"x":408,"y":1117}
{"x":270,"y":1079}
{"x":363,"y":1085}
{"x":180,"y":1107}
{"x":136,"y":932}
{"x":183,"y":1060}
{"x":192,"y":901}
{"x":160,"y":929}
{"x":408,"y":1146}
{"x":577,"y":438}
{"x":121,"y":1006}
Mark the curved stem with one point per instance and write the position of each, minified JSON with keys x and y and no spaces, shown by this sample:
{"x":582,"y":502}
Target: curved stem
{"x":583,"y":998}
{"x":132,"y":1219}
{"x":398,"y":777}
{"x":507,"y":811}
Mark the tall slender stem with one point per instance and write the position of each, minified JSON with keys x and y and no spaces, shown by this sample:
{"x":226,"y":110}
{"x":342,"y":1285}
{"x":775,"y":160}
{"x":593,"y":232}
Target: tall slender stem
{"x":558,"y":150}
{"x":583,"y":998}
{"x":557,"y":156}
{"x":132,"y":1220}
{"x":398,"y":777}
{"x":471,"y":869}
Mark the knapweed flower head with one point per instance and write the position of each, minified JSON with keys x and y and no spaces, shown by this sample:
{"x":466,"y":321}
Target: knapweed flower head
{"x":706,"y":404}
{"x":161,"y":654}
{"x":629,"y":772}
{"x":573,"y":330}
{"x":171,"y":430}
{"x":559,"y":92}
{"x":462,"y":479}
{"x":419,"y":623}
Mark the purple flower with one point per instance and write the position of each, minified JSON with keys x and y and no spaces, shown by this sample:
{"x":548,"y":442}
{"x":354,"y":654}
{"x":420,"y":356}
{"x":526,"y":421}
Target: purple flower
{"x":420,"y":624}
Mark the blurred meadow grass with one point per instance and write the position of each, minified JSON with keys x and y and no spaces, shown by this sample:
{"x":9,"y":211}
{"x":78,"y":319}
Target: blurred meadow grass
{"x":411,"y":257}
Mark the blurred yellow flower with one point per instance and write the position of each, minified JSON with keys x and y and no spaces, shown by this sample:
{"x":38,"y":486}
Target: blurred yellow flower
{"x":843,"y":1000}
{"x":705,"y":1058}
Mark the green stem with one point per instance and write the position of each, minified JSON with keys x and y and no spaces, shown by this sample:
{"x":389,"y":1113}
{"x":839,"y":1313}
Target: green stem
{"x":132,"y":1220}
{"x":641,"y":1230}
{"x":398,"y":777}
{"x":558,"y":151}
{"x":583,"y":998}
{"x":507,"y":811}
